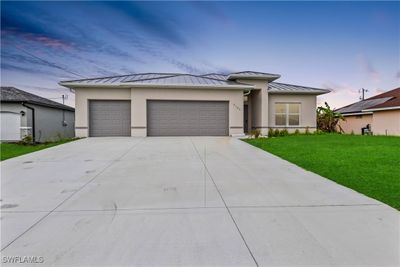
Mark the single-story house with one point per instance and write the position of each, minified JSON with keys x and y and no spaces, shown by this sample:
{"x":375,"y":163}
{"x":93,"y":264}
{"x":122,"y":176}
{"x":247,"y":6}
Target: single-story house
{"x":175,"y":104}
{"x":23,"y":114}
{"x":380,"y":113}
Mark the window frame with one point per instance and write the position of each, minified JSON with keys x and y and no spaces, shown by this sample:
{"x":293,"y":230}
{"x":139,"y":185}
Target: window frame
{"x":287,"y":114}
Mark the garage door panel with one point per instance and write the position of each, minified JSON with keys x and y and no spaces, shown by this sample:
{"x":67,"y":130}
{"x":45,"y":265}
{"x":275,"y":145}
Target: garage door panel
{"x":190,"y":118}
{"x":109,"y":118}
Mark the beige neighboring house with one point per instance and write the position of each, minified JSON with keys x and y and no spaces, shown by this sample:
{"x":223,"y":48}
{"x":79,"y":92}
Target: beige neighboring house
{"x":175,"y":104}
{"x":380,"y":113}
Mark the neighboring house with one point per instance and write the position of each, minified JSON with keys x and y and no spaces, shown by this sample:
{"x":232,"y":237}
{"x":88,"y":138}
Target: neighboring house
{"x":381,"y":113}
{"x":23,"y":113}
{"x":172,"y":104}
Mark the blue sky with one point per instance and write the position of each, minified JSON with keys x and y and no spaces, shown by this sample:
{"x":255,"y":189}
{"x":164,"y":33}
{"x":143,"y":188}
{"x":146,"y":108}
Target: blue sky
{"x":343,"y":46}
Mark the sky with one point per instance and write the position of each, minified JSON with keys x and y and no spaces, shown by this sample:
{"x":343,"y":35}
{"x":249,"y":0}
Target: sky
{"x":342,"y":46}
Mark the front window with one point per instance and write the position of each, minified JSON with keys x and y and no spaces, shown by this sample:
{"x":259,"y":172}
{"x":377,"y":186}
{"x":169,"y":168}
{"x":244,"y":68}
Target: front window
{"x":287,"y":114}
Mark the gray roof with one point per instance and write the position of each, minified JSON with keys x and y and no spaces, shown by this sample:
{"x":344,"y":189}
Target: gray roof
{"x":361,"y":105}
{"x":154,"y":79}
{"x":253,"y":75}
{"x":191,"y":80}
{"x":15,"y":95}
{"x":283,"y":88}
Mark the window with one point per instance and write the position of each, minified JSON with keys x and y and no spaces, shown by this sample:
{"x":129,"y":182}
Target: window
{"x":287,"y":114}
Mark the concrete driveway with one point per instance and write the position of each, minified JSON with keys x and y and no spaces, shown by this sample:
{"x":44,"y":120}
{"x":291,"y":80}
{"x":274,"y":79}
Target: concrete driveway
{"x":185,"y":201}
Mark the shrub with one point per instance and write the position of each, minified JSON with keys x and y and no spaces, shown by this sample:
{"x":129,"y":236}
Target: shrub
{"x":352,"y":132}
{"x":297,"y":132}
{"x":276,"y":132}
{"x":307,"y":131}
{"x":256,"y":133}
{"x":270,"y":132}
{"x":284,"y":132}
{"x":27,"y":140}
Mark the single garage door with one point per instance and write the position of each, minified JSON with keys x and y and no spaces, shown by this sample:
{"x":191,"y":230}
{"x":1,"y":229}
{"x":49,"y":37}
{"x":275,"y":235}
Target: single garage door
{"x":187,"y":118}
{"x":109,"y":118}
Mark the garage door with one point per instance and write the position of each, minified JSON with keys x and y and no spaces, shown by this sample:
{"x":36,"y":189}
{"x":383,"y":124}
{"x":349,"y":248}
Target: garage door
{"x":190,"y":118}
{"x":109,"y":118}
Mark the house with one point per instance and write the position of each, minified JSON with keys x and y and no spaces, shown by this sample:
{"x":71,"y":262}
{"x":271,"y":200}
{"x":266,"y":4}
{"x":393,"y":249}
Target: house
{"x":381,"y":113}
{"x":175,"y":104}
{"x":23,"y":113}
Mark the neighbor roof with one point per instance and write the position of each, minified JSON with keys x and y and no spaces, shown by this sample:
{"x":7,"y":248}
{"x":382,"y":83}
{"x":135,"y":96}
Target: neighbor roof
{"x":387,"y":100}
{"x":15,"y":95}
{"x":158,"y":79}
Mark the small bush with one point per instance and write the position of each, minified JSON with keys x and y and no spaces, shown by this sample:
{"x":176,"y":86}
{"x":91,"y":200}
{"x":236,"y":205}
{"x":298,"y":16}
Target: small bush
{"x":352,"y":132}
{"x":256,"y":133}
{"x":270,"y":132}
{"x":27,"y":140}
{"x":276,"y":132}
{"x":284,"y":132}
{"x":297,"y":132}
{"x":307,"y":131}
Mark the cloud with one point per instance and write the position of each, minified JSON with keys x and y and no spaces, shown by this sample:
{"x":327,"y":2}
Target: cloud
{"x":145,"y":17}
{"x":372,"y":73}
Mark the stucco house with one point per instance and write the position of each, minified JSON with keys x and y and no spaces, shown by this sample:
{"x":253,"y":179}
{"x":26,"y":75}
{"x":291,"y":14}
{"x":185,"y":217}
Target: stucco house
{"x":175,"y":104}
{"x":23,"y":113}
{"x":381,"y":113}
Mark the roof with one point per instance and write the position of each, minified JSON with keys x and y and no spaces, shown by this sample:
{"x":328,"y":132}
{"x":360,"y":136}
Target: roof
{"x":182,"y":80}
{"x":15,"y":95}
{"x":177,"y":80}
{"x":284,"y":88}
{"x":387,"y":100}
{"x":253,"y":75}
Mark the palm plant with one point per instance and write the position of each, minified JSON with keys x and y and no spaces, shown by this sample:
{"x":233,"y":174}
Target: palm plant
{"x":328,"y":119}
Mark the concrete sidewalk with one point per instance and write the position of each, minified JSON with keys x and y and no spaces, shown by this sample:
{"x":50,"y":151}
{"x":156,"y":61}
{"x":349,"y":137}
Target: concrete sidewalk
{"x":196,"y":201}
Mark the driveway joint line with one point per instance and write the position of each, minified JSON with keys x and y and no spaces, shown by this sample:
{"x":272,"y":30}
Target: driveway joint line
{"x":226,"y":206}
{"x":197,"y":207}
{"x":70,"y":196}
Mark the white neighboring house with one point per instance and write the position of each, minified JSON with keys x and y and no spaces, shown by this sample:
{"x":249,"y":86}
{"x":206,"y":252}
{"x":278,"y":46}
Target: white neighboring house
{"x":23,"y":113}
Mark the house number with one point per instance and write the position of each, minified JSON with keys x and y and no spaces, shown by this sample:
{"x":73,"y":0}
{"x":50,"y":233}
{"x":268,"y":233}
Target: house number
{"x":237,"y":107}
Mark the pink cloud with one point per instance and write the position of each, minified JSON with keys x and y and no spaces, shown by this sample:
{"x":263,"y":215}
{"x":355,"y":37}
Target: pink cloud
{"x":39,"y":39}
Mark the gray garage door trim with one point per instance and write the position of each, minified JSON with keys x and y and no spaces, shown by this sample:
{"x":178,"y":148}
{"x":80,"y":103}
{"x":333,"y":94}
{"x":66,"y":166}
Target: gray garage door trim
{"x":187,"y":118}
{"x":109,"y":118}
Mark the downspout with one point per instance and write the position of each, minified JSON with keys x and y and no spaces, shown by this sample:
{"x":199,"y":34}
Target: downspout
{"x":33,"y":121}
{"x":247,"y":93}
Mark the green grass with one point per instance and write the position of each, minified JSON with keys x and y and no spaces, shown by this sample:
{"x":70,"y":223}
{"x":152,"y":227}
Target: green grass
{"x":11,"y":150}
{"x":367,"y":164}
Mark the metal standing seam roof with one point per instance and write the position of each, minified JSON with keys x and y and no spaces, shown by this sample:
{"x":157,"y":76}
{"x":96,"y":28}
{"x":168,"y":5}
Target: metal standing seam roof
{"x":282,"y":88}
{"x":156,"y":79}
{"x":14,"y":95}
{"x":191,"y":80}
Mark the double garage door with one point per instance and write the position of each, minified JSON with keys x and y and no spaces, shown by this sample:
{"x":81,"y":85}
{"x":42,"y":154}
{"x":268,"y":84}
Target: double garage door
{"x":164,"y":118}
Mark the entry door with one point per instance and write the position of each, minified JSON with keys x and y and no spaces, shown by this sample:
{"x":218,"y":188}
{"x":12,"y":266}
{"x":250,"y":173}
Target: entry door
{"x":109,"y":118}
{"x":187,"y":118}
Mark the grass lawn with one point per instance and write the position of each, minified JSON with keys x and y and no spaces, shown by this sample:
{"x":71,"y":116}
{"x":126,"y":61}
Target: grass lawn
{"x":367,"y":164}
{"x":8,"y":150}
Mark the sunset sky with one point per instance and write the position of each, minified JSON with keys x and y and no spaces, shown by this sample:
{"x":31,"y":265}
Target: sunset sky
{"x":343,"y":46}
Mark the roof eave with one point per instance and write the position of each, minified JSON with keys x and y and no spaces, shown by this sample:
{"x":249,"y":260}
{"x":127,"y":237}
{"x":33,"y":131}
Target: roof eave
{"x":381,"y":109}
{"x":354,"y":113}
{"x":299,"y":92}
{"x":176,"y":86}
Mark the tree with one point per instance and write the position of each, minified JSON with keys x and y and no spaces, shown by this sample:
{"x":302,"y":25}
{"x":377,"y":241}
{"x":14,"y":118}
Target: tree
{"x":328,"y":119}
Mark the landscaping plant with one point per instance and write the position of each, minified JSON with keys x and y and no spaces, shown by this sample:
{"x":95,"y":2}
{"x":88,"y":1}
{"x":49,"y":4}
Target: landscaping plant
{"x":328,"y":119}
